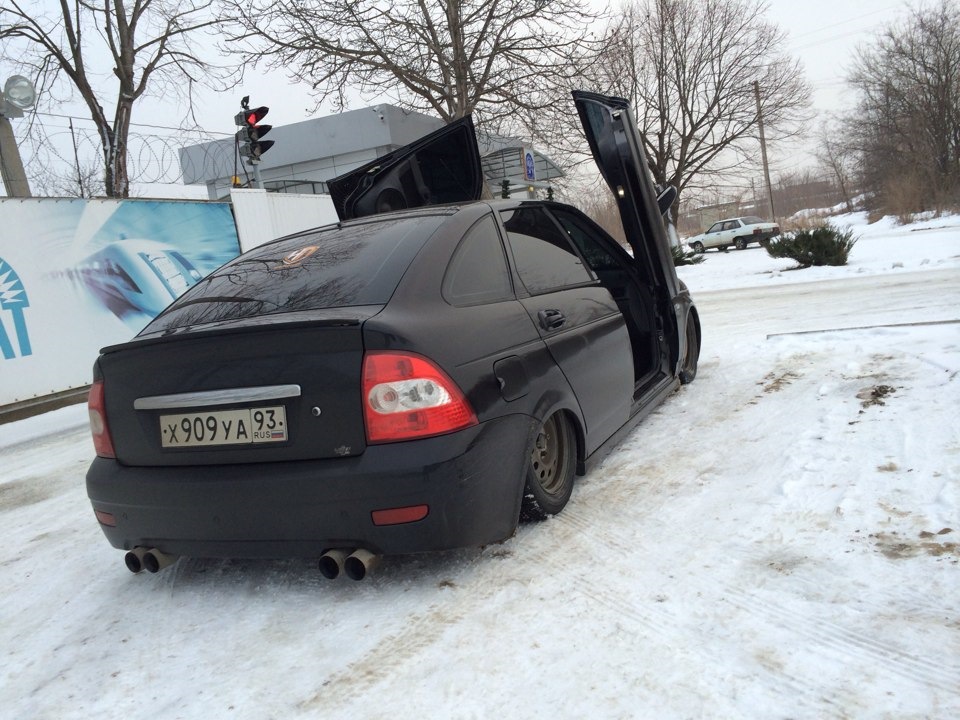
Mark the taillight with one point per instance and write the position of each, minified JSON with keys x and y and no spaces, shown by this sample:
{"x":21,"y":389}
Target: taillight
{"x":102,"y":442}
{"x":406,"y":396}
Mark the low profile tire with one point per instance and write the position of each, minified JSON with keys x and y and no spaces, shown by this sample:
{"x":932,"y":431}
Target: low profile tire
{"x":697,"y":248}
{"x":690,"y":361}
{"x":550,"y":469}
{"x":740,"y":243}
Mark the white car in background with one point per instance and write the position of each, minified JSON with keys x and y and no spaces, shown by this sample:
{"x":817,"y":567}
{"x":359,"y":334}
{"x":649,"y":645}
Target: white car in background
{"x":739,"y":232}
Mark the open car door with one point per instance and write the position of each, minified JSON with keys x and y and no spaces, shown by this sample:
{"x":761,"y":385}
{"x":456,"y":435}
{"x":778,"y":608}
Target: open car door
{"x":442,"y":167}
{"x":615,"y":144}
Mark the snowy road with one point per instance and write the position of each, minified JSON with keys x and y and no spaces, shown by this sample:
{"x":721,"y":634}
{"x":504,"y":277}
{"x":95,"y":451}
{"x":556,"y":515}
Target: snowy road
{"x":778,"y":540}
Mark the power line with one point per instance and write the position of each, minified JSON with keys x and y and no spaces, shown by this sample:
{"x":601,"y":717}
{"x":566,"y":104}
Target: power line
{"x":135,"y":124}
{"x":847,"y":22}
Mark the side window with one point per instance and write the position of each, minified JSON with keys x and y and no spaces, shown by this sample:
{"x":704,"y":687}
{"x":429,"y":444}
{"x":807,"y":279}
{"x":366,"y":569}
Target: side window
{"x":478,"y":271}
{"x":716,"y":227}
{"x":584,"y":237}
{"x":545,"y":259}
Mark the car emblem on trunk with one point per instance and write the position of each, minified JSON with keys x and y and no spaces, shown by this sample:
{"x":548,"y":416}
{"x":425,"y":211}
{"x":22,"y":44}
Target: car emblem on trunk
{"x":342,"y":450}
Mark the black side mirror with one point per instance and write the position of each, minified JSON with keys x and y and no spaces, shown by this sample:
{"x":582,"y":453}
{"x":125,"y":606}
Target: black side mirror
{"x":665,"y":198}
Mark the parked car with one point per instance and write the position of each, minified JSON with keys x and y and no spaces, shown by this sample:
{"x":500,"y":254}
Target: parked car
{"x":739,"y":232}
{"x":404,"y":380}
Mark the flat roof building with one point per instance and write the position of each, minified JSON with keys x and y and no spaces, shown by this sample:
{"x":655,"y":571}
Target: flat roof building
{"x":306,"y":154}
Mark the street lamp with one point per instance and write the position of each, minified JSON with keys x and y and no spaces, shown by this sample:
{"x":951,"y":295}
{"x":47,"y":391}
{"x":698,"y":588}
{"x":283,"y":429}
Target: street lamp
{"x":18,"y":94}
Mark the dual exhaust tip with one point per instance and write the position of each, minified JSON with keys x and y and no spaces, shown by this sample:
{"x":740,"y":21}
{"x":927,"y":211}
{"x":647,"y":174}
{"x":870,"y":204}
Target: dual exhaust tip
{"x":149,"y":559}
{"x":355,"y":563}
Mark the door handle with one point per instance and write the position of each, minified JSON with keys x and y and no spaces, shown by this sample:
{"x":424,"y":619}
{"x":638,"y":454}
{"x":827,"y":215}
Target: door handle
{"x":551,"y":319}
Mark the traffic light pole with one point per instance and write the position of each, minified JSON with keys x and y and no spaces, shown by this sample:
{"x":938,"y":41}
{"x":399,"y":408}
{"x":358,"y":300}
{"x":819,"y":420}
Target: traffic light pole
{"x":257,"y":178}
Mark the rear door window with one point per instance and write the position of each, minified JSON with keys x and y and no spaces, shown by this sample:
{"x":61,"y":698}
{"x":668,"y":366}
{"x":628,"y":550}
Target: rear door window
{"x":544,"y":258}
{"x":334,"y":266}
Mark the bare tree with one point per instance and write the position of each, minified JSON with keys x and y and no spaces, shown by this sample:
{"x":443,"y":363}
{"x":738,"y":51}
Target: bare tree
{"x":688,"y":68}
{"x":835,"y":155}
{"x":450,"y":57}
{"x":906,"y":128}
{"x":148,"y":43}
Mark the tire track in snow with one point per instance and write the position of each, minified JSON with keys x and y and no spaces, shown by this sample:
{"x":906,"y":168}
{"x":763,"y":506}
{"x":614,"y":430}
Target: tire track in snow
{"x":846,"y":642}
{"x":642,"y":619}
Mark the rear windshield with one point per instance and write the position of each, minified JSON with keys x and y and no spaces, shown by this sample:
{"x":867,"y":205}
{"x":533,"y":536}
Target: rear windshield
{"x":751,"y":220}
{"x":331,"y":267}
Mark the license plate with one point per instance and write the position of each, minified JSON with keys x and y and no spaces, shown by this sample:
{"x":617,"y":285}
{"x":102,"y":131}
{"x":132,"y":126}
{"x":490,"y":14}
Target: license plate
{"x":224,"y":427}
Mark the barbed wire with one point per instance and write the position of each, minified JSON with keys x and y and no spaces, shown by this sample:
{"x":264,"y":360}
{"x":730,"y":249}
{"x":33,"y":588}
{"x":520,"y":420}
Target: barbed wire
{"x":57,"y":150}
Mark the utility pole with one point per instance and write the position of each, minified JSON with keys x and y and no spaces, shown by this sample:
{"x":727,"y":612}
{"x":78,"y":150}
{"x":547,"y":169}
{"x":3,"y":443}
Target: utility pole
{"x":763,"y":151}
{"x":18,"y":94}
{"x":11,"y":166}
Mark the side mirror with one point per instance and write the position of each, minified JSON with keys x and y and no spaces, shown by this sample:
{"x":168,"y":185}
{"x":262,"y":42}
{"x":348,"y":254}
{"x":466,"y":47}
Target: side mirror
{"x":665,"y":198}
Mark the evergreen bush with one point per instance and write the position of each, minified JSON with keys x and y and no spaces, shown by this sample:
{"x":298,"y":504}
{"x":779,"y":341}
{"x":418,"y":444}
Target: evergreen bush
{"x":680,"y":257}
{"x":823,"y":245}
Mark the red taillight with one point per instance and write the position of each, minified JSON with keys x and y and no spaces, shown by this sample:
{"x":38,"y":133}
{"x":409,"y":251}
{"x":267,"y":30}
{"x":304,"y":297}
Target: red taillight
{"x":406,"y":396}
{"x":102,"y":442}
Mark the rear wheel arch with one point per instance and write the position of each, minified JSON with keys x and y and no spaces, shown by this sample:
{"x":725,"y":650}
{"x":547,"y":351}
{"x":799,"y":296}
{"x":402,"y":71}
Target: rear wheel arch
{"x":552,"y":403}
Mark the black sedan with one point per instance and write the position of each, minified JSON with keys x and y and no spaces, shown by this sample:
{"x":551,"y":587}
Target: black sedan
{"x":405,"y":380}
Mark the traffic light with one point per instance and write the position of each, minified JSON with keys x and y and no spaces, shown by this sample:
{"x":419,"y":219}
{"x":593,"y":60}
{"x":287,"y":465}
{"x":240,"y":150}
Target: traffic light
{"x":249,"y":137}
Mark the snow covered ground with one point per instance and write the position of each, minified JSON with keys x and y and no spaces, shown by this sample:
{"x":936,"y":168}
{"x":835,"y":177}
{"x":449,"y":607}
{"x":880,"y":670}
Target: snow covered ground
{"x":778,"y":540}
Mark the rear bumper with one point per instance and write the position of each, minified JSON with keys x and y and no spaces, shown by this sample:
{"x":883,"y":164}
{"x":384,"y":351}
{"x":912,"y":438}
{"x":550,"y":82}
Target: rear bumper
{"x":471,"y":480}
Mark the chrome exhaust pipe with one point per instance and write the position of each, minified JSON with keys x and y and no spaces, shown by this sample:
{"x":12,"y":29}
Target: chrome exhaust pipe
{"x":155,"y":561}
{"x":134,"y":559}
{"x":360,"y":563}
{"x":331,"y":563}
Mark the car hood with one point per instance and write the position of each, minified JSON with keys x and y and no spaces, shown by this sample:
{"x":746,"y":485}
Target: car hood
{"x":442,"y":167}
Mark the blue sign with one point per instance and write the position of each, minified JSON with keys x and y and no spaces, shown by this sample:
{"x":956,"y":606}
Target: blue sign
{"x":13,"y":298}
{"x":529,"y":165}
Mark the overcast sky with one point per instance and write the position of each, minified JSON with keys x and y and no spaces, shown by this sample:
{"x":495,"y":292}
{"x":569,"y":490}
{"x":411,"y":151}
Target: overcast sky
{"x":822,"y":33}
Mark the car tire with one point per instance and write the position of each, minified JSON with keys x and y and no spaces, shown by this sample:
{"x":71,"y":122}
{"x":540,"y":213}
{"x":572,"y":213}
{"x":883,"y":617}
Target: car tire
{"x":551,"y":467}
{"x":740,"y":243}
{"x":697,"y":248}
{"x":690,"y":361}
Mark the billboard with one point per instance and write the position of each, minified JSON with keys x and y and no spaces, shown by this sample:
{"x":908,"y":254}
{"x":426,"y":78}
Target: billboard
{"x":76,"y":275}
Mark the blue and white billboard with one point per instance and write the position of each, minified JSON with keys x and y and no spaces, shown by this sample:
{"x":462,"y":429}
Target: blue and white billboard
{"x":76,"y":275}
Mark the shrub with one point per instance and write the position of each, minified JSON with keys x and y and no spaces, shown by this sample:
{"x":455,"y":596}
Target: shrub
{"x":680,"y":257}
{"x":821,"y":246}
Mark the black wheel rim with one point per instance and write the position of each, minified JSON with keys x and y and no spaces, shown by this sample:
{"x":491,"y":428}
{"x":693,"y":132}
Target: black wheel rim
{"x":550,"y":456}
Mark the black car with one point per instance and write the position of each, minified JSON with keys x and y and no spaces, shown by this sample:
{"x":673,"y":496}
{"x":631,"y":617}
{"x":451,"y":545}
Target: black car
{"x":404,"y":380}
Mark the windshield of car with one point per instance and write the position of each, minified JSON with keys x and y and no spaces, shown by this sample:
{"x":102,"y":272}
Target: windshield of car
{"x":334,"y":266}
